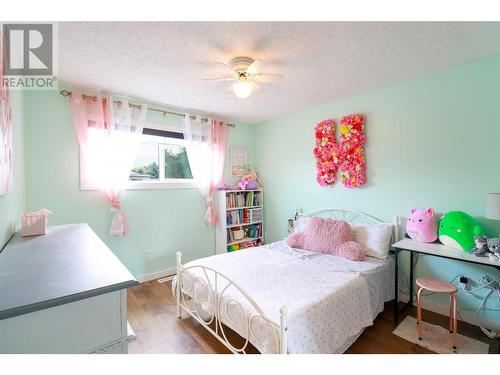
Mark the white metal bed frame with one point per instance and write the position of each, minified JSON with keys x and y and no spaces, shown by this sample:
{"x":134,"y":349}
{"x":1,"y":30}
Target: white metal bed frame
{"x":188,"y":301}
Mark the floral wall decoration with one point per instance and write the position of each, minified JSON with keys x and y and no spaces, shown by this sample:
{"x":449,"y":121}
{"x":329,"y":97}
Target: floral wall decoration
{"x":346,"y":154}
{"x":326,"y":153}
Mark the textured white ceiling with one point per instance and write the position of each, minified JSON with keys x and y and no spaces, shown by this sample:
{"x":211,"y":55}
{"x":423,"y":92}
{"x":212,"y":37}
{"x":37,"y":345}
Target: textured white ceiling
{"x":322,"y":61}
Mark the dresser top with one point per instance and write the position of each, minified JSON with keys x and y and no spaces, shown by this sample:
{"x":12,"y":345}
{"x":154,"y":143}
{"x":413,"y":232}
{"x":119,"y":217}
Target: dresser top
{"x":68,"y":264}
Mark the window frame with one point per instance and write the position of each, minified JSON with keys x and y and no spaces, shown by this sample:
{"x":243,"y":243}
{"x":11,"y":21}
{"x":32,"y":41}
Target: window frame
{"x":171,"y":183}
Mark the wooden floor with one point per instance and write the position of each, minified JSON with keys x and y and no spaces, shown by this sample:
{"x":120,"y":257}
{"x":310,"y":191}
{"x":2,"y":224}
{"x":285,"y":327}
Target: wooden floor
{"x":151,"y":313}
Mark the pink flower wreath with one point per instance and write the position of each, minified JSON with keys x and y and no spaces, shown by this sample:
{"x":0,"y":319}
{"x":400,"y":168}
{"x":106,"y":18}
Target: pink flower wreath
{"x":348,"y":153}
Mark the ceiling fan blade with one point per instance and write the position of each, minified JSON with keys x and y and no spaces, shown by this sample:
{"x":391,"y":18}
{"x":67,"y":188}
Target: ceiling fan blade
{"x":225,"y":67}
{"x":269,"y":78}
{"x":227,"y":79}
{"x":257,"y":66}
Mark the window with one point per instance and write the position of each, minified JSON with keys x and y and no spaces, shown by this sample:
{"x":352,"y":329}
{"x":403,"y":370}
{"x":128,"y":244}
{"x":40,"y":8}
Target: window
{"x":161,"y":160}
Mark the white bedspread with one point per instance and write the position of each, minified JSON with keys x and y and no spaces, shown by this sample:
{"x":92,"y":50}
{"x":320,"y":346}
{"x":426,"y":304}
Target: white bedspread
{"x":327,"y":297}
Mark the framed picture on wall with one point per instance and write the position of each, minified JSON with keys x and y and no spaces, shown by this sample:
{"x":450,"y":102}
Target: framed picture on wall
{"x":239,"y":158}
{"x":5,"y":143}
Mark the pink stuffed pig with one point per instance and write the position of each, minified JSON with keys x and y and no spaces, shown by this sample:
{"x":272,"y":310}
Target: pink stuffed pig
{"x":422,"y":225}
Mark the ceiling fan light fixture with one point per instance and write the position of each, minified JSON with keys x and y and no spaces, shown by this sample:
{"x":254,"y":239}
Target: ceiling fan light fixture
{"x":245,"y":76}
{"x":242,"y":89}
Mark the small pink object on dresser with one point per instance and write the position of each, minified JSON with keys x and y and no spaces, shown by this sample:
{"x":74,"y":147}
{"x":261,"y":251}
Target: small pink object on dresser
{"x":422,"y":225}
{"x":327,"y":236}
{"x":34,"y":223}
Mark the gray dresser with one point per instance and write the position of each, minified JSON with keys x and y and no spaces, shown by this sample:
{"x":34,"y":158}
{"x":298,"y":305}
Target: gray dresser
{"x":63,"y":292}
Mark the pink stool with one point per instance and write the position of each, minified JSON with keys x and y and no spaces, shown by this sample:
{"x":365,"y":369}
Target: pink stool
{"x":437,"y":286}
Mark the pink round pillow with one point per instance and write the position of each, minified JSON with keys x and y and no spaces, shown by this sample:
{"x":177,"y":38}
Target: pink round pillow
{"x":351,"y":250}
{"x":295,"y":240}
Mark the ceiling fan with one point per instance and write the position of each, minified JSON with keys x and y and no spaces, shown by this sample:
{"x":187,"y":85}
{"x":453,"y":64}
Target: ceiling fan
{"x":247,"y":74}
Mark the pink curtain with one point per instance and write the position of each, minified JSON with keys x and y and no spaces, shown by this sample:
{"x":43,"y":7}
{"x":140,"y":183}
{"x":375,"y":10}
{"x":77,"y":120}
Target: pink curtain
{"x":206,"y":144}
{"x":108,"y":133}
{"x":218,"y":144}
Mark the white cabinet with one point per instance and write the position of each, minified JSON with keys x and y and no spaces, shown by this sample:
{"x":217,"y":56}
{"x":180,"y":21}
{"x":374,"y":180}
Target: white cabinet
{"x":95,"y":324}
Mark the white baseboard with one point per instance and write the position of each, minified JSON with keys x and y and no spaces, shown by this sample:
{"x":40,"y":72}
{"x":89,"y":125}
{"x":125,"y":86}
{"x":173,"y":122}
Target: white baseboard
{"x":465,"y":316}
{"x":156,"y":275}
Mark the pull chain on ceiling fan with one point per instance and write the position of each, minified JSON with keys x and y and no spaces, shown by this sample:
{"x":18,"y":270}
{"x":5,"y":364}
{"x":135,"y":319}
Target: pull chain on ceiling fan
{"x":247,"y":74}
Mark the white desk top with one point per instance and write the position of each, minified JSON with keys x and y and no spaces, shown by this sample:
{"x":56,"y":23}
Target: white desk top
{"x":443,"y":251}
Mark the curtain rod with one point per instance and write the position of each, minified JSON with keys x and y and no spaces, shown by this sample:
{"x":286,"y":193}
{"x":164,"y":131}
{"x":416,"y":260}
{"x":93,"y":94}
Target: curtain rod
{"x":68,"y":93}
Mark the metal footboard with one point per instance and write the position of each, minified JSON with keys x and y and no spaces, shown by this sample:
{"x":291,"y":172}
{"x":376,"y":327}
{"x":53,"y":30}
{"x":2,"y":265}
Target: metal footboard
{"x":216,"y":318}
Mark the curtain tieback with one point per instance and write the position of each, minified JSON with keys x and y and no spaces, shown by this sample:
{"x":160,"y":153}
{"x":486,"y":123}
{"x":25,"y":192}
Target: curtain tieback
{"x":210,"y":214}
{"x":119,"y":223}
{"x":115,"y":203}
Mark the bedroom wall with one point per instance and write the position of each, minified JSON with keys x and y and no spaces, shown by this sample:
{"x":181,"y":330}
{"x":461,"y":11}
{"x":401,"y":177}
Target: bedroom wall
{"x":432,"y":141}
{"x":163,"y":221}
{"x":12,"y":204}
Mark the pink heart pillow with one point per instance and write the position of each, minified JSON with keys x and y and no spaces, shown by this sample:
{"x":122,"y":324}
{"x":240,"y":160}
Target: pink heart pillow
{"x":327,"y":236}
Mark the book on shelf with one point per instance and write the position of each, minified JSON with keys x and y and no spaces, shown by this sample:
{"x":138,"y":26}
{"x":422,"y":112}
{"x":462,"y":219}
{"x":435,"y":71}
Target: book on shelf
{"x":252,"y":231}
{"x":247,"y":198}
{"x":255,"y":215}
{"x":243,"y":216}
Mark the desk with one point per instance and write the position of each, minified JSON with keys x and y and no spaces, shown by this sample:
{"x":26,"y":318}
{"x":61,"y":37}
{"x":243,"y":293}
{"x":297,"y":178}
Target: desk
{"x":434,"y":249}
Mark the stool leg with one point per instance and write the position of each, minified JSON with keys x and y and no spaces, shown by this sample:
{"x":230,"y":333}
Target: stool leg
{"x":452,"y":320}
{"x":419,"y":312}
{"x":455,"y":321}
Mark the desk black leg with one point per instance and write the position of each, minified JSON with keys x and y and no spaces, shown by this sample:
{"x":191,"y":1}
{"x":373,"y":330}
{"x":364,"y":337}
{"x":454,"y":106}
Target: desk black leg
{"x":396,"y":286}
{"x":411,"y":279}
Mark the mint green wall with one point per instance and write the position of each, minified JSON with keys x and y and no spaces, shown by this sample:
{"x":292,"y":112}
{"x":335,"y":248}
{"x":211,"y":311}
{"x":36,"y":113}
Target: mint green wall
{"x":163,"y":221}
{"x":432,"y":141}
{"x":12,"y":205}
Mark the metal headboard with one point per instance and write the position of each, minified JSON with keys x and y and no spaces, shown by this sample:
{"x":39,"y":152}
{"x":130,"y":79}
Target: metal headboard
{"x":348,"y":215}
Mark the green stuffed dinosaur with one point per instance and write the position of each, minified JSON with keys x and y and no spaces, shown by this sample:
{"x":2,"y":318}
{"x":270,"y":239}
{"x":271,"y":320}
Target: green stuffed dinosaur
{"x":457,"y":229}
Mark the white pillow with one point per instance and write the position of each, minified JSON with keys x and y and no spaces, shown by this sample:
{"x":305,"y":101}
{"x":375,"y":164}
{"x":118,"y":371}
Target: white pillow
{"x":299,"y":225}
{"x":375,"y":239}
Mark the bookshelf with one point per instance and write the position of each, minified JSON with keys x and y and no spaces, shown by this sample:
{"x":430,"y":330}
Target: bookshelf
{"x":240,"y":219}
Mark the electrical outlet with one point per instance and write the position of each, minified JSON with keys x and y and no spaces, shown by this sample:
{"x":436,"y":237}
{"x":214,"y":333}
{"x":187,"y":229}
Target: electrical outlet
{"x":463,"y":283}
{"x":147,"y":254}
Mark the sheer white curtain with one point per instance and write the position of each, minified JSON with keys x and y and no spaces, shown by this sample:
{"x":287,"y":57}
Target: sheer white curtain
{"x":206,"y":149}
{"x":108,"y":131}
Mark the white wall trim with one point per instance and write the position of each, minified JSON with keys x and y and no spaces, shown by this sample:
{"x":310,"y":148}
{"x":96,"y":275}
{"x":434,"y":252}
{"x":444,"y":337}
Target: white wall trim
{"x":162,"y":184}
{"x":149,"y":185}
{"x":156,"y":275}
